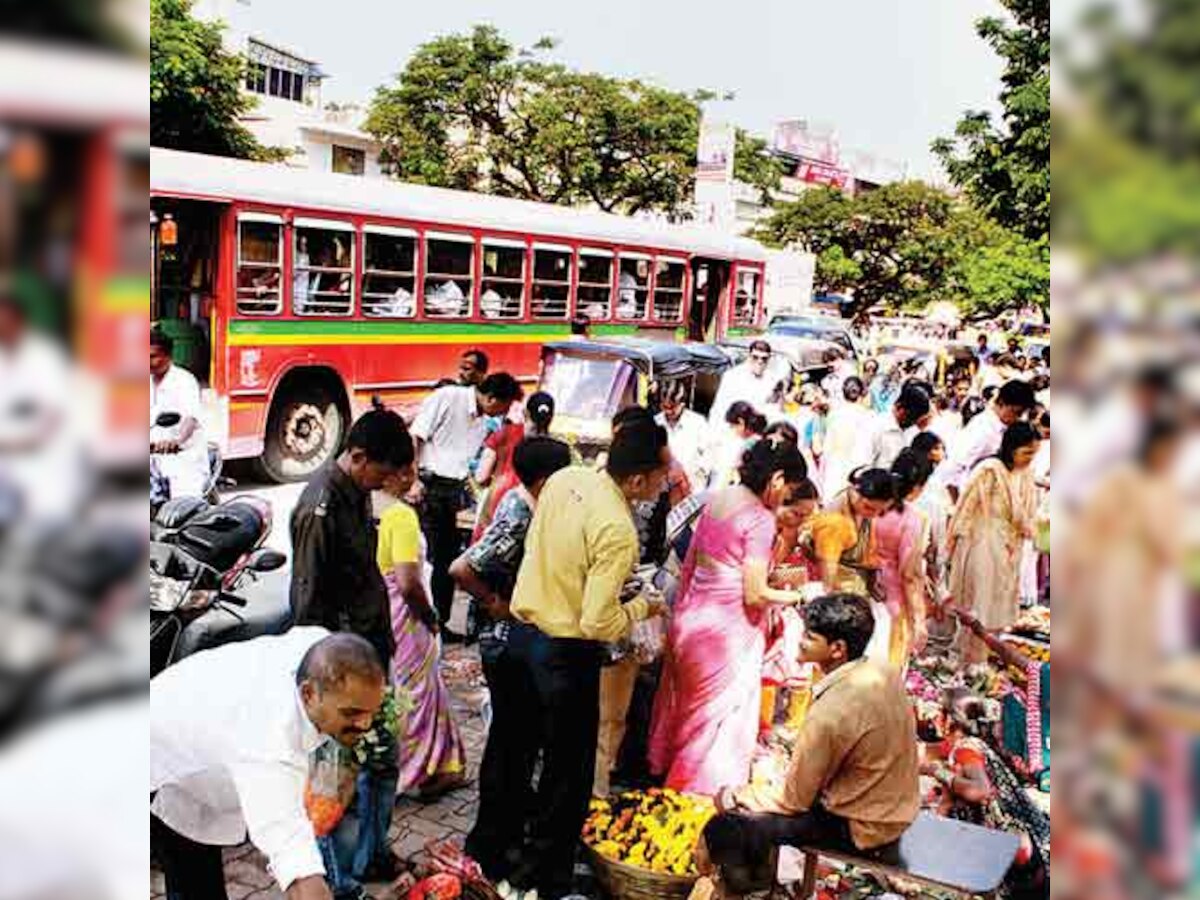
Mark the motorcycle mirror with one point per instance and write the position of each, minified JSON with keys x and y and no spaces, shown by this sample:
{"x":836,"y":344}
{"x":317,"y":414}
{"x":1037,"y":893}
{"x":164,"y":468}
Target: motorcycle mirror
{"x":168,"y":419}
{"x":266,"y":560}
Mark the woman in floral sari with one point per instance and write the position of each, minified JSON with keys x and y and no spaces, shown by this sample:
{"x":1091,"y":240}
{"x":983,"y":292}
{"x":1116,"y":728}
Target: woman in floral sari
{"x":995,"y":516}
{"x":705,"y":720}
{"x":431,"y":756}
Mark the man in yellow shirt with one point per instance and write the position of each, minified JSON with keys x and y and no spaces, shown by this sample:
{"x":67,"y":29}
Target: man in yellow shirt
{"x":581,"y":547}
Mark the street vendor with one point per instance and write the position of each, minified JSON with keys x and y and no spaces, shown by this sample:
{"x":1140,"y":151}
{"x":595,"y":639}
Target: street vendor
{"x":232,"y":731}
{"x":853,"y":780}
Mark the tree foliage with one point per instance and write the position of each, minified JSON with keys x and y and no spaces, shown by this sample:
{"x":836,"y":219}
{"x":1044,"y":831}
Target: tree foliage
{"x":907,"y":245}
{"x":1005,"y":166}
{"x":195,"y":87}
{"x":472,"y":111}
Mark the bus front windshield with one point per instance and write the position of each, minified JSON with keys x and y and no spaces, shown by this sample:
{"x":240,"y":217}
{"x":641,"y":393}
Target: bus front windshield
{"x":586,"y":388}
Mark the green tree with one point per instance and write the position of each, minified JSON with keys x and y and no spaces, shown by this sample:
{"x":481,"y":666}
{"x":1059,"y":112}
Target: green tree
{"x":195,"y":87}
{"x":1005,"y":166}
{"x":907,"y":245}
{"x":472,"y":111}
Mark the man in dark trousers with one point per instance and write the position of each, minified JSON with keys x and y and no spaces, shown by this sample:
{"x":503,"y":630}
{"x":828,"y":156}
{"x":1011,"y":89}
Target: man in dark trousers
{"x":448,"y":432}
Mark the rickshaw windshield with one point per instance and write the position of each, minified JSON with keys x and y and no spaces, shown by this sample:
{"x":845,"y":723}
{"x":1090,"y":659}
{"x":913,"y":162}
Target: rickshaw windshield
{"x":585,"y":387}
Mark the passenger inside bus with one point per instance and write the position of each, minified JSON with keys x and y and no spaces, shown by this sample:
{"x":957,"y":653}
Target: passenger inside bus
{"x":446,"y":300}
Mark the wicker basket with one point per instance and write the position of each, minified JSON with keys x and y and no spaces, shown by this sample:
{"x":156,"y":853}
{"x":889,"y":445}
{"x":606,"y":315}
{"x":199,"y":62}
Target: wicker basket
{"x":625,"y":882}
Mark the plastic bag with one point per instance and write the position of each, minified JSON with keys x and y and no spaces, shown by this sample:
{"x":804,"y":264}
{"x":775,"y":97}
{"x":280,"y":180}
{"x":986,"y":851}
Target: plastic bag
{"x":330,"y":789}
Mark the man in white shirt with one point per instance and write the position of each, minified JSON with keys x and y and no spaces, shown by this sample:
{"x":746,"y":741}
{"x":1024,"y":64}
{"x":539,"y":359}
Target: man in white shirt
{"x":40,"y":447}
{"x":180,"y":450}
{"x":448,"y":432}
{"x":687,"y":435}
{"x":982,"y":436}
{"x":848,"y":433}
{"x":232,"y":731}
{"x":752,"y":381}
{"x":910,"y":414}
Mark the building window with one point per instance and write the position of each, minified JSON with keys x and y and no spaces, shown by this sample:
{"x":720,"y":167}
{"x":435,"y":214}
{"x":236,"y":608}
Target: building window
{"x":745,"y":304}
{"x":274,"y":82}
{"x":349,"y":160}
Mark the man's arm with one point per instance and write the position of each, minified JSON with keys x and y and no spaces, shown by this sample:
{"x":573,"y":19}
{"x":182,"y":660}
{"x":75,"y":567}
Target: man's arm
{"x":604,"y":617}
{"x":310,"y":558}
{"x":271,"y":796}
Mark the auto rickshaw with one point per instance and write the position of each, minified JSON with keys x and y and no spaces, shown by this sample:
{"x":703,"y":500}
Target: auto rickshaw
{"x":591,"y":381}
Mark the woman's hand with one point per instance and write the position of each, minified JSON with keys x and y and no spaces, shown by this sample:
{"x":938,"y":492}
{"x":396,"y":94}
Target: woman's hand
{"x":920,"y":638}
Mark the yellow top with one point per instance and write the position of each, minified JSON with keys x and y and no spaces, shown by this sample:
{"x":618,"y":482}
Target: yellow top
{"x":581,"y":548}
{"x":399,"y":537}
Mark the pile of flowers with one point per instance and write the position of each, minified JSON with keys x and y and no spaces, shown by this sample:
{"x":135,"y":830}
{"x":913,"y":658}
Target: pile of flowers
{"x":655,"y":829}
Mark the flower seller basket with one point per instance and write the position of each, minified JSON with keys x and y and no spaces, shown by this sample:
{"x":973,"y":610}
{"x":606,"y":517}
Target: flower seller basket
{"x":622,"y":881}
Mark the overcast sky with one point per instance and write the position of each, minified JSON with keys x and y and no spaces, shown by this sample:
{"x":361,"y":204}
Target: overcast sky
{"x":890,"y":75}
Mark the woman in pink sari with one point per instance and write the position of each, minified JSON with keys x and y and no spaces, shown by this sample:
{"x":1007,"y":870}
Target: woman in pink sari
{"x":705,"y":721}
{"x":901,"y":541}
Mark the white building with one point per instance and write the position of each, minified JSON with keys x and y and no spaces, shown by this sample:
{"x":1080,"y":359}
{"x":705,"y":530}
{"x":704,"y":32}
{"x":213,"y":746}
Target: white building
{"x":286,"y":86}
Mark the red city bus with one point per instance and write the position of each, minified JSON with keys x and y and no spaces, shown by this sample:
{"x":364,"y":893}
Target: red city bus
{"x":296,"y":296}
{"x":74,"y":169}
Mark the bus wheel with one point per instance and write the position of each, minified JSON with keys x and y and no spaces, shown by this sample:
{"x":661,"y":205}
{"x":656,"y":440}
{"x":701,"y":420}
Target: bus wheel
{"x":304,"y":431}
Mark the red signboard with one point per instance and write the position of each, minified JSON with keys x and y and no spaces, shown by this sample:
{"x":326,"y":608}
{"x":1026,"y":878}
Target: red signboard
{"x":820,"y":173}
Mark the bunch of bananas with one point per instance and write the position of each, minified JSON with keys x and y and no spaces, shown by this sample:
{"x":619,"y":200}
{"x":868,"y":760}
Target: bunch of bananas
{"x":655,"y":829}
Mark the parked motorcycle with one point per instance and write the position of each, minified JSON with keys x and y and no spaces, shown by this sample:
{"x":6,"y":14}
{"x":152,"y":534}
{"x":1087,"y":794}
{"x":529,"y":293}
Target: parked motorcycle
{"x":200,"y":556}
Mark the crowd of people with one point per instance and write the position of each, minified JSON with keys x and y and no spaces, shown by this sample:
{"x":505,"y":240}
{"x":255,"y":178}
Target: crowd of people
{"x":862,"y":510}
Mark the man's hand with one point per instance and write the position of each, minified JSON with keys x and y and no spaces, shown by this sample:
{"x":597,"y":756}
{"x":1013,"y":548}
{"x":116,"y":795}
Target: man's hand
{"x":920,"y":638}
{"x":416,"y":494}
{"x":726,"y":800}
{"x":312,"y":887}
{"x":496,"y":607}
{"x":165,"y":447}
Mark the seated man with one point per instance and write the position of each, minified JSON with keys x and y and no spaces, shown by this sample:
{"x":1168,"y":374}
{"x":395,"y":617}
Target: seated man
{"x":853,"y":781}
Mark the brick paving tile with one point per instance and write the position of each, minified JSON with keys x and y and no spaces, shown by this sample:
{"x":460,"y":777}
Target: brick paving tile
{"x":248,"y":873}
{"x":238,"y":891}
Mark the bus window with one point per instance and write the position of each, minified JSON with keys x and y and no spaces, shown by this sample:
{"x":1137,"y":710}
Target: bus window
{"x":389,"y":273}
{"x":595,"y":284}
{"x":503,"y":294}
{"x":668,"y":290}
{"x":449,"y":276}
{"x":551,"y":281}
{"x":633,"y":287}
{"x":745,"y":309}
{"x":259,"y":266}
{"x":322,"y":268}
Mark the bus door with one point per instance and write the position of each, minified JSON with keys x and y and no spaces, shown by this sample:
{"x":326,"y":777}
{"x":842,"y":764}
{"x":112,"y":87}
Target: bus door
{"x":185,"y":240}
{"x":710,"y":277}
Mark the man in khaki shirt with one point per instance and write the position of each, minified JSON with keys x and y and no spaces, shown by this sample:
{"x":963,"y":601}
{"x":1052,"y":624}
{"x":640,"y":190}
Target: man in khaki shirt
{"x":580,"y":549}
{"x":853,"y":779}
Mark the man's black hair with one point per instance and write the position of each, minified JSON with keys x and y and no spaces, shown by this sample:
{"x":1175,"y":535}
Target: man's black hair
{"x":631,"y":415}
{"x":853,"y":389}
{"x":637,"y":449}
{"x":501,"y":386}
{"x":914,"y":401}
{"x":332,"y":659}
{"x":539,"y":457}
{"x":1016,"y":393}
{"x":382,"y":435}
{"x":580,"y":324}
{"x":162,"y":340}
{"x":480,"y":358}
{"x":760,"y":346}
{"x":842,"y":617}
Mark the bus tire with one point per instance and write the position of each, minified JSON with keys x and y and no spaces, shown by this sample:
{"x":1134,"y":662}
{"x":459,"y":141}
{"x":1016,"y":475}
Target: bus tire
{"x":304,"y":431}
